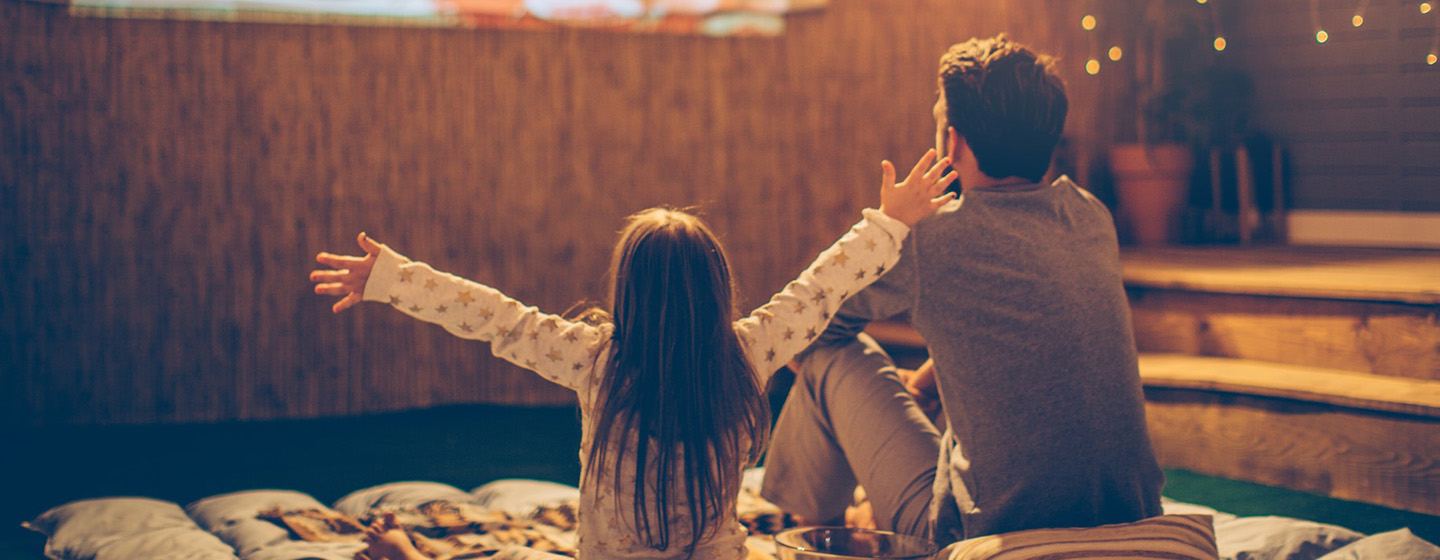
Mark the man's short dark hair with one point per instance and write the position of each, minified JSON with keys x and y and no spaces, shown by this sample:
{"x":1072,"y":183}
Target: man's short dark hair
{"x":1008,"y":104}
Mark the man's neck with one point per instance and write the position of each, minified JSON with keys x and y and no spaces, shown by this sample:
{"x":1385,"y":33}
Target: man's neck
{"x":988,"y":182}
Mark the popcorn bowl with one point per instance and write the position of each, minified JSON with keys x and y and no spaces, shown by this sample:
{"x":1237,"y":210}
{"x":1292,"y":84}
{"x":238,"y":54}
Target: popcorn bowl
{"x":830,"y":543}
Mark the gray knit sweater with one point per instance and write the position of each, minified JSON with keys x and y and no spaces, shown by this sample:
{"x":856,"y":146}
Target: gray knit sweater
{"x":1018,"y":292}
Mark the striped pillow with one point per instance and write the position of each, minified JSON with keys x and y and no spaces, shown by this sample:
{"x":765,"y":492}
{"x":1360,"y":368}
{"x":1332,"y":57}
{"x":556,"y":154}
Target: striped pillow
{"x":1171,"y":537}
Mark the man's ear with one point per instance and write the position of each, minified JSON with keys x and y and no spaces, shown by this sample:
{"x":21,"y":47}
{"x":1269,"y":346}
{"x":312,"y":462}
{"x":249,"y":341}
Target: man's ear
{"x":953,"y":142}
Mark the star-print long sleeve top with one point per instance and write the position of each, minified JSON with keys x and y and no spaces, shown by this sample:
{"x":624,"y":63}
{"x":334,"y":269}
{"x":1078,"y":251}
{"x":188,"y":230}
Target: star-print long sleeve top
{"x":574,"y":354}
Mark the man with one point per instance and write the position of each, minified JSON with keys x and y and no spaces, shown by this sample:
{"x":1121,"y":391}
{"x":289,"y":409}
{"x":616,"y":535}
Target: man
{"x":1016,"y":288}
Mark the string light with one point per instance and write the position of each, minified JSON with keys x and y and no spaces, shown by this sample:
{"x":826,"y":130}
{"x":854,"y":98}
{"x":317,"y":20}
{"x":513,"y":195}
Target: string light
{"x":1217,"y":29}
{"x":1201,"y":1}
{"x":1359,"y":18}
{"x":1116,"y":53}
{"x":1435,"y":43}
{"x":1088,"y":23}
{"x":1320,"y":34}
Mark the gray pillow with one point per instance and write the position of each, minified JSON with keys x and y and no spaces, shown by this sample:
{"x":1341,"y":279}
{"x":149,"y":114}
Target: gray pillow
{"x":359,"y":503}
{"x":235,"y":519}
{"x":1278,"y":538}
{"x":1399,"y":544}
{"x":125,"y":529}
{"x":519,"y":497}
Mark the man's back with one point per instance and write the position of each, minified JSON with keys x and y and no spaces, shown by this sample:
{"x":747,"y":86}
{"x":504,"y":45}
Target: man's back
{"x":1018,"y":293}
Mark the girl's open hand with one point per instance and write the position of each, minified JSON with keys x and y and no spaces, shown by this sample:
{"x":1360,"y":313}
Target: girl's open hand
{"x":920,"y":194}
{"x":348,"y":279}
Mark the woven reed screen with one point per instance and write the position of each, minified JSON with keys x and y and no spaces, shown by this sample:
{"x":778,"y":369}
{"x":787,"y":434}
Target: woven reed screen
{"x":166,"y":185}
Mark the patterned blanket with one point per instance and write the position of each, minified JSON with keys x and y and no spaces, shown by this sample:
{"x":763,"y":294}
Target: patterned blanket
{"x":447,"y":530}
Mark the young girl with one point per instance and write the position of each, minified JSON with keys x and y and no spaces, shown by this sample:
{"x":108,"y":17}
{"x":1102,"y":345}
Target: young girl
{"x":670,"y":384}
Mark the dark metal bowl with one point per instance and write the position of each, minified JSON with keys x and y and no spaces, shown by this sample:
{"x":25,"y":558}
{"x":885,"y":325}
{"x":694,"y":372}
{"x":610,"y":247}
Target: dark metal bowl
{"x":827,"y":543}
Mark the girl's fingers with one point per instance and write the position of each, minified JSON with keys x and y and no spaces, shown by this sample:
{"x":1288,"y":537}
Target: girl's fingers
{"x":937,"y":169}
{"x":332,"y":289}
{"x":337,"y":261}
{"x":346,"y":303}
{"x":369,"y":245}
{"x":946,"y":181}
{"x":887,"y":178}
{"x":924,"y":162}
{"x":937,"y":202}
{"x":318,"y":276}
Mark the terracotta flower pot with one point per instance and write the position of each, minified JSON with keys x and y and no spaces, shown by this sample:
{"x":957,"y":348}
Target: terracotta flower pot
{"x":1151,"y":183}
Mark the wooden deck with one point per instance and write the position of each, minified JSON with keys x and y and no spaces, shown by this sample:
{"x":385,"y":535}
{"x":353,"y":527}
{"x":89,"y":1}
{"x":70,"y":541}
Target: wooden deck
{"x":1345,"y":389}
{"x":1355,"y":274}
{"x":1370,"y":311}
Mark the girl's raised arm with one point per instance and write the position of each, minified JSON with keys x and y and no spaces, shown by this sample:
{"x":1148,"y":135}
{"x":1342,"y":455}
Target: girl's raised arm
{"x":559,"y":350}
{"x":791,"y":320}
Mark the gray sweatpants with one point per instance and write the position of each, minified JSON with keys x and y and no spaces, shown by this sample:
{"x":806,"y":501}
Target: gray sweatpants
{"x":849,"y":420}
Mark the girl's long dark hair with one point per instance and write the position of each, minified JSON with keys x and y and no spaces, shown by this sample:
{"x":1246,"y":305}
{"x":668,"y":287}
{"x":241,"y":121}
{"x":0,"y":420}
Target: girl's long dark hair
{"x":678,"y":382}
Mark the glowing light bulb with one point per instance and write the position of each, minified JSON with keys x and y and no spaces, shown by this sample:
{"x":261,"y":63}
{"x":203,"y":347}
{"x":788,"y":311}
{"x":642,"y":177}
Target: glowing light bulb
{"x":1220,"y":43}
{"x":1430,"y":59}
{"x":1116,"y":53}
{"x":1092,"y":67}
{"x":1358,"y":20}
{"x":1088,"y":22}
{"x":1424,"y":7}
{"x":1201,"y":1}
{"x":1321,"y":36}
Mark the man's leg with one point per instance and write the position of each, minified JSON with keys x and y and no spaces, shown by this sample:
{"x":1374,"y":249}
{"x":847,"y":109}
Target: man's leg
{"x":848,"y":418}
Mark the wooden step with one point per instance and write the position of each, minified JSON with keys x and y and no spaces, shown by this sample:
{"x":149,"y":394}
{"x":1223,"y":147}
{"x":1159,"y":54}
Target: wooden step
{"x":1362,"y":310}
{"x":1355,"y":274}
{"x":1373,"y":457}
{"x":1356,"y":436}
{"x":1360,"y":391}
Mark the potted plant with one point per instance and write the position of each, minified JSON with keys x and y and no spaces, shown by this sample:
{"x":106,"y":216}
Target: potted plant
{"x":1187,"y":103}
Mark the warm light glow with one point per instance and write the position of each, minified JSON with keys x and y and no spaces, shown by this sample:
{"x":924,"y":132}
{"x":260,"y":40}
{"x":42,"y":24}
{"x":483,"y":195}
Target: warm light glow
{"x":1424,"y":7}
{"x":1116,"y":53}
{"x":1430,"y":59}
{"x":1201,"y":1}
{"x":1093,"y":67}
{"x":1358,"y":20}
{"x":1321,"y":36}
{"x":1220,"y":43}
{"x":1088,"y":22}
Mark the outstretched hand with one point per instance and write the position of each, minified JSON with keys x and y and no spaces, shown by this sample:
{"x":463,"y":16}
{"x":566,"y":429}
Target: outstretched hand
{"x":920,"y":194}
{"x":348,"y":279}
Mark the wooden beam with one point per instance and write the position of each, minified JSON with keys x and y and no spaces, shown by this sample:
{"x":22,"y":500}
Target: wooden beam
{"x":1379,"y":458}
{"x":1406,"y":276}
{"x":1360,"y":391}
{"x":1372,"y":337}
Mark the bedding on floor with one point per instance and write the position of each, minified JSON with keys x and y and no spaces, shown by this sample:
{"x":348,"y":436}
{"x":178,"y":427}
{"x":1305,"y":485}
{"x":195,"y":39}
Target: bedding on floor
{"x":531,"y":519}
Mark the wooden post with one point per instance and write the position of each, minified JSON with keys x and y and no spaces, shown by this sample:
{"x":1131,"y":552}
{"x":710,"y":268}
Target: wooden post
{"x":1215,"y":217}
{"x":1279,"y":227}
{"x":1247,"y":215}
